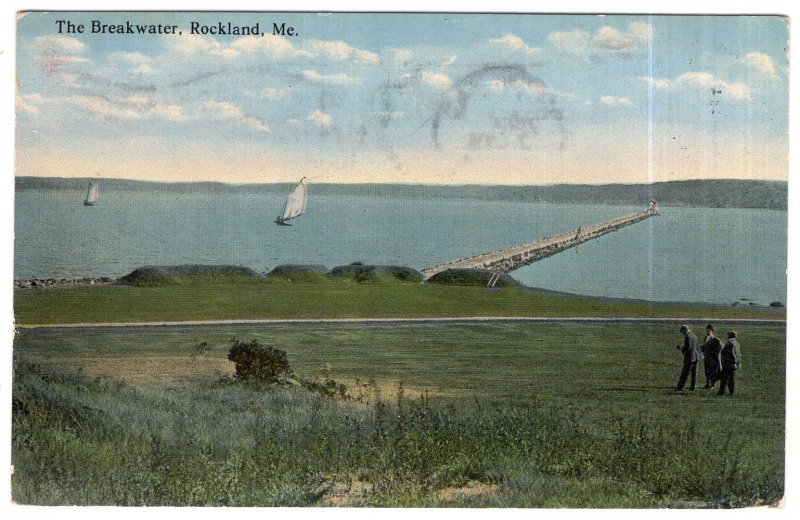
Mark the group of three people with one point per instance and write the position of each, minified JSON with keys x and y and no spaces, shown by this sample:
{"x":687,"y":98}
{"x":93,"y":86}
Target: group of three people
{"x":719,"y":361}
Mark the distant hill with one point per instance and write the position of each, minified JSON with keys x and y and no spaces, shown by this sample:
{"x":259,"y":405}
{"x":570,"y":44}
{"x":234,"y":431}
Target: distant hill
{"x":697,"y":193}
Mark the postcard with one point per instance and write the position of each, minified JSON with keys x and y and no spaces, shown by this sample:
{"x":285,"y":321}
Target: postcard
{"x":400,"y":260}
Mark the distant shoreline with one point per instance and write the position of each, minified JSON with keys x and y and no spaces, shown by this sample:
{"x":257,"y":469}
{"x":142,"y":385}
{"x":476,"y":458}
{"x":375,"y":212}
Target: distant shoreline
{"x":709,"y":193}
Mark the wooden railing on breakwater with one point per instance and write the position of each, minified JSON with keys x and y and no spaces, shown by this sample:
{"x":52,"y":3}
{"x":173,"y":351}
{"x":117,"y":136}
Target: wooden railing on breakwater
{"x":517,"y":256}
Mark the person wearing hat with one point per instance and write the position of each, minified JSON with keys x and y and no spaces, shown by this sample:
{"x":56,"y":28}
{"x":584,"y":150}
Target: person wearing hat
{"x":730,"y":359}
{"x":691,"y":355}
{"x":711,"y":362}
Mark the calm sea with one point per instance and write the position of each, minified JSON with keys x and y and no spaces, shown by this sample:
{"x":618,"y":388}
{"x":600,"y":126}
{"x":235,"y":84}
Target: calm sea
{"x":686,"y":254}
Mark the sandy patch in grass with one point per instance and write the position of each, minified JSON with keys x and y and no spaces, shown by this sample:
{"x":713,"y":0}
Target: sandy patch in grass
{"x":342,"y":494}
{"x":147,"y":369}
{"x":387,"y":390}
{"x":473,"y":489}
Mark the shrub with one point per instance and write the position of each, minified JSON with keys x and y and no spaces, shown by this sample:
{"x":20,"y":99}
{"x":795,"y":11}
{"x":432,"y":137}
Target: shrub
{"x":328,"y":388}
{"x":158,"y":275}
{"x":256,"y":362}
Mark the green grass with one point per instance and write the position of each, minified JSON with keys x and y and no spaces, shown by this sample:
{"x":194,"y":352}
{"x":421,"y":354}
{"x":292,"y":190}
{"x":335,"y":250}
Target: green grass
{"x":331,"y":298}
{"x":493,"y":415}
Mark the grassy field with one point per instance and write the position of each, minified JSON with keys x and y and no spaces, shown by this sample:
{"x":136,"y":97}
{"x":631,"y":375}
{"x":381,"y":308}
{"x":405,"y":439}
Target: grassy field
{"x":331,"y":299}
{"x":491,"y":414}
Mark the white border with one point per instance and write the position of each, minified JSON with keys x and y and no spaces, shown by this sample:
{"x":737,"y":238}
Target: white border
{"x":8,"y":9}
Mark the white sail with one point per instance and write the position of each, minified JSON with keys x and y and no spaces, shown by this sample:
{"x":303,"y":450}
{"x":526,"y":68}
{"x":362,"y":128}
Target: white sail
{"x":295,"y":203}
{"x":92,"y":194}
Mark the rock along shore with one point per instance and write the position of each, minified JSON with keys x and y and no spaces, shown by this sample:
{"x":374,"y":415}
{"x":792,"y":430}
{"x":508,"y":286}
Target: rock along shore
{"x":40,"y":283}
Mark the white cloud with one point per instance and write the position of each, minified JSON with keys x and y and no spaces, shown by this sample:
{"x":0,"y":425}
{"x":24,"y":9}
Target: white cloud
{"x":495,"y":84}
{"x":28,"y":104}
{"x":144,"y":69}
{"x":641,"y":31}
{"x":200,"y":44}
{"x":255,"y":123}
{"x":452,"y":59}
{"x":575,"y":41}
{"x":276,"y":47}
{"x":528,"y":87}
{"x":68,"y":79}
{"x":65,"y":59}
{"x":126,"y":108}
{"x":400,"y":55}
{"x":737,"y":90}
{"x":22,"y":106}
{"x":612,"y":39}
{"x":170,"y":112}
{"x":762,"y":63}
{"x":616,"y":101}
{"x":274,"y":93}
{"x":321,"y":119}
{"x":515,"y":44}
{"x":141,"y":64}
{"x":106,"y":108}
{"x":434,"y":79}
{"x":271,"y":45}
{"x":339,"y":50}
{"x":132,"y":57}
{"x":606,"y":39}
{"x":336,"y":79}
{"x":59,"y":43}
{"x":36,"y":98}
{"x":657,"y":83}
{"x":231,"y":111}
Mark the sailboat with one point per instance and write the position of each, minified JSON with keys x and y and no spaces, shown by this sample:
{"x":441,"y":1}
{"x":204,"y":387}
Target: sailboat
{"x":92,"y":194}
{"x":295,"y":204}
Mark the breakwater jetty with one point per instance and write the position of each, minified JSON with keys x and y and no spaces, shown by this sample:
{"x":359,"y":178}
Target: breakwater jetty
{"x":514,"y":257}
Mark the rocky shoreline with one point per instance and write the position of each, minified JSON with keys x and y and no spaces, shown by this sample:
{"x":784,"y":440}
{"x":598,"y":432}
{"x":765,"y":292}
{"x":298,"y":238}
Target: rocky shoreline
{"x":40,"y":283}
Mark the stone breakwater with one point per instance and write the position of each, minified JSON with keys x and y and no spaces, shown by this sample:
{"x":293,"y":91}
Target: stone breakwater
{"x":510,"y":258}
{"x":40,"y":283}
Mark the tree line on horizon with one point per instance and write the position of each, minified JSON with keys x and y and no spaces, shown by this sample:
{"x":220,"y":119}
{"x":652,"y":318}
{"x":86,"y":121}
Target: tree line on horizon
{"x":714,"y":193}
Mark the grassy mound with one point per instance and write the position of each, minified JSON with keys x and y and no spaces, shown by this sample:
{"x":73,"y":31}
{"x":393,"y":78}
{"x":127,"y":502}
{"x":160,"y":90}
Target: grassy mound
{"x":298,"y":273}
{"x":478,"y":277}
{"x":376,"y":273}
{"x":156,"y":275}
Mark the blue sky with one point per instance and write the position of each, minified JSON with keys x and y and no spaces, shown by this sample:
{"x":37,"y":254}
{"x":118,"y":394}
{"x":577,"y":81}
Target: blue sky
{"x":438,"y":98}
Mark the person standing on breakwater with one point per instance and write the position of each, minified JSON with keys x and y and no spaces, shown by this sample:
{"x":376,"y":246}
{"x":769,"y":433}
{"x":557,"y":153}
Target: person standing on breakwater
{"x":691,"y":355}
{"x":730,"y":359}
{"x":711,"y":349}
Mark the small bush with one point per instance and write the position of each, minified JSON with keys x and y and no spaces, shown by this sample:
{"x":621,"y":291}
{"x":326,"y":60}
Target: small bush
{"x":160,"y":275}
{"x":328,"y":388}
{"x":256,"y":362}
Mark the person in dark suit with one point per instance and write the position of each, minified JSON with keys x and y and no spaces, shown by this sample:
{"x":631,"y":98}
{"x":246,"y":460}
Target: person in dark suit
{"x":730,"y":359}
{"x":691,"y":355}
{"x":711,"y":349}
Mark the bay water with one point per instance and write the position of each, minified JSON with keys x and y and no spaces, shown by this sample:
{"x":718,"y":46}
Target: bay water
{"x":684,"y":254}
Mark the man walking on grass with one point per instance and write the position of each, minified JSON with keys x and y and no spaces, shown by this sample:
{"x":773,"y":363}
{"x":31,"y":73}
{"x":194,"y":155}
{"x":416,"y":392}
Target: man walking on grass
{"x":711,"y":349}
{"x":691,"y":355}
{"x":730,"y":359}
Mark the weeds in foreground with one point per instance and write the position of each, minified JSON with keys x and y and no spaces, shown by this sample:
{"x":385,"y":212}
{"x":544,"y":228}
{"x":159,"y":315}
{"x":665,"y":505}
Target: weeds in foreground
{"x":80,"y":441}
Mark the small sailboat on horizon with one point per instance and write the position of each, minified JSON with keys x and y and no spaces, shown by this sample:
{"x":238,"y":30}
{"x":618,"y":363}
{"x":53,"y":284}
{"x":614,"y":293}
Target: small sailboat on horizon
{"x":92,"y":194}
{"x":295,"y":204}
